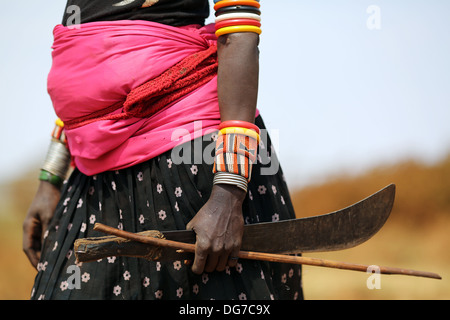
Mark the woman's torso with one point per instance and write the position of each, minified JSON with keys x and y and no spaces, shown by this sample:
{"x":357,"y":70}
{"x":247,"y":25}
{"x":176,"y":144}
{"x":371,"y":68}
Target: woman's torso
{"x":117,"y":47}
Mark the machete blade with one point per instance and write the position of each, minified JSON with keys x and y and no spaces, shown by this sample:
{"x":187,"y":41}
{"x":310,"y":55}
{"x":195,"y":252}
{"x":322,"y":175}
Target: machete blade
{"x":342,"y":229}
{"x":338,"y":230}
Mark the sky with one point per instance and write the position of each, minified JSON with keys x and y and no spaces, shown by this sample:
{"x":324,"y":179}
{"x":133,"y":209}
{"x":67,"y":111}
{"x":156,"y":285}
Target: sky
{"x":345,"y":85}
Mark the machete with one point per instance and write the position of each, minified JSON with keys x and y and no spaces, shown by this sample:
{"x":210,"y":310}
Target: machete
{"x":338,"y":230}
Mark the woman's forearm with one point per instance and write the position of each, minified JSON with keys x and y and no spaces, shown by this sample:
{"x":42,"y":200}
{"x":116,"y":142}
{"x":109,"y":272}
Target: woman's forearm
{"x":219,"y":224}
{"x":238,"y":76}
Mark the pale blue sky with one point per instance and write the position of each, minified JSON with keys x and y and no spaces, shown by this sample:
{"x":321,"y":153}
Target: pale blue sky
{"x":337,"y":95}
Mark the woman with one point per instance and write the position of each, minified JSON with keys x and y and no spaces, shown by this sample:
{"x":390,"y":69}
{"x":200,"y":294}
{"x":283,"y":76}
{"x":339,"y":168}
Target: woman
{"x":142,"y":88}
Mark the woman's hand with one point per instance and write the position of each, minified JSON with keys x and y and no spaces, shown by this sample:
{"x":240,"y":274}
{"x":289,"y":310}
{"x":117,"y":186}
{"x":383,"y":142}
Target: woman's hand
{"x":38,"y":217}
{"x":219,"y":226}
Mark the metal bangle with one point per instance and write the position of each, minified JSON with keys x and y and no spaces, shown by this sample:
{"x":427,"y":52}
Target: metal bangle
{"x":231,"y":178}
{"x":58,"y":159}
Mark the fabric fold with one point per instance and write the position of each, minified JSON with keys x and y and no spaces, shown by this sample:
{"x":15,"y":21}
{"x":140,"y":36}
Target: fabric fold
{"x":96,"y":67}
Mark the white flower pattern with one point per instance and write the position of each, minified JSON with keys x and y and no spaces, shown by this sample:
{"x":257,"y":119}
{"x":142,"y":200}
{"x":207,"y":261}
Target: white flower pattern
{"x":129,"y":215}
{"x":177,"y":265}
{"x":85,"y":277}
{"x":178,"y":192}
{"x":146,"y":282}
{"x":117,"y":290}
{"x":162,"y":214}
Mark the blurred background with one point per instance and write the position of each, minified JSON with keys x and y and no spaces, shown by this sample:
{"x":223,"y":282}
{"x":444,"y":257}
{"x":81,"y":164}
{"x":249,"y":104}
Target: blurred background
{"x":356,"y":95}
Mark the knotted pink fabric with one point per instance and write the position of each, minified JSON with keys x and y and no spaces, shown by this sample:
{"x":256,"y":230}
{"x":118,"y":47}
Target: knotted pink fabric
{"x":97,"y":66}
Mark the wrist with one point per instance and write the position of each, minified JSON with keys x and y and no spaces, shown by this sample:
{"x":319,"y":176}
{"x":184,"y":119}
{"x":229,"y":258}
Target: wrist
{"x":228,"y":193}
{"x":47,"y":189}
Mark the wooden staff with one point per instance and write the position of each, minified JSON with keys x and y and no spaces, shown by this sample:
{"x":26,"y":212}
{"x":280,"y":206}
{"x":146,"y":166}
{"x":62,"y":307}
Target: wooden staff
{"x":187,"y":247}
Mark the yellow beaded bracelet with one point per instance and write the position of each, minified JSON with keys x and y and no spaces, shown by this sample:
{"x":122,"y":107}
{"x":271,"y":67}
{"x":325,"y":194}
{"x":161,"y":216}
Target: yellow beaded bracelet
{"x":239,"y":130}
{"x":233,"y":29}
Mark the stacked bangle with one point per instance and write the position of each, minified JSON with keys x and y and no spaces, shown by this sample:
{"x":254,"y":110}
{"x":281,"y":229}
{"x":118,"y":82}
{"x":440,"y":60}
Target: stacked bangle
{"x":226,"y":3}
{"x":230,"y":178}
{"x":236,"y":149}
{"x":237,"y":22}
{"x":232,"y":9}
{"x":237,"y":16}
{"x":57,"y":161}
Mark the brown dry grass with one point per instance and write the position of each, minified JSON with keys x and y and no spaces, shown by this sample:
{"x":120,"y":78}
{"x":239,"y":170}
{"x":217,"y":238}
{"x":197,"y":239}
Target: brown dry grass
{"x":416,"y":236}
{"x":16,"y":273}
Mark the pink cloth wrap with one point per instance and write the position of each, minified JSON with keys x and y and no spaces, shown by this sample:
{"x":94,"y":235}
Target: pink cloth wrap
{"x":98,"y":64}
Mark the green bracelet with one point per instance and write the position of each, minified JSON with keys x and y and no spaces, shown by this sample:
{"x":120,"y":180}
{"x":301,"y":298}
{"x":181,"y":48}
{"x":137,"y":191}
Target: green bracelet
{"x":52,"y":178}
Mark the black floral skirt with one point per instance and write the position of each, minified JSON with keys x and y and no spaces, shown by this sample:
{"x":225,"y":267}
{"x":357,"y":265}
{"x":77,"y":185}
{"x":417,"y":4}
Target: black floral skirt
{"x":160,"y":195}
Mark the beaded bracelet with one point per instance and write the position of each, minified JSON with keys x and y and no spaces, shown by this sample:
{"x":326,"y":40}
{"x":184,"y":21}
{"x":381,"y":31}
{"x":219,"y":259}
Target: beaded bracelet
{"x":238,"y":15}
{"x":231,"y":9}
{"x":240,"y":131}
{"x":231,"y":13}
{"x":234,"y":29}
{"x":58,"y":132}
{"x":237,"y":22}
{"x":226,"y":3}
{"x":49,"y":177}
{"x":236,"y":150}
{"x":239,"y":123}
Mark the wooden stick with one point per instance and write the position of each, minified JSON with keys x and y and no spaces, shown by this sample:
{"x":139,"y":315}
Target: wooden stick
{"x":187,"y":247}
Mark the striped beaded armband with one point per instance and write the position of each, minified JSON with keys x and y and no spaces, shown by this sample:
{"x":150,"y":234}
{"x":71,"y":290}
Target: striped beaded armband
{"x":58,"y":132}
{"x":237,"y":16}
{"x":236,"y":150}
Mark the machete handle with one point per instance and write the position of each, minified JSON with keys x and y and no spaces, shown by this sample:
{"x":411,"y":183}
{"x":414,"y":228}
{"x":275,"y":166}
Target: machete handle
{"x":93,"y":249}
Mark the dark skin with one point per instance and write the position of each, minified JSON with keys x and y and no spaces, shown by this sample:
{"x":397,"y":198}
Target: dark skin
{"x":37,"y":219}
{"x":219,"y":224}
